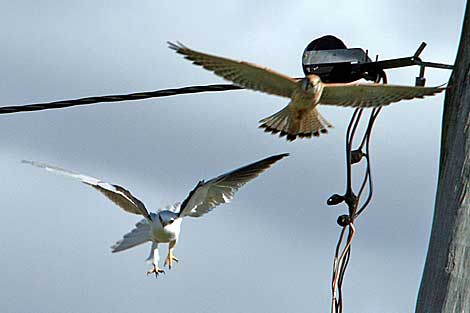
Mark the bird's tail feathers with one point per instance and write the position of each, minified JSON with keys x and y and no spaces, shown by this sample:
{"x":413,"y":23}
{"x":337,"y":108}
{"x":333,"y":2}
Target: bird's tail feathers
{"x":293,"y":123}
{"x":139,"y":235}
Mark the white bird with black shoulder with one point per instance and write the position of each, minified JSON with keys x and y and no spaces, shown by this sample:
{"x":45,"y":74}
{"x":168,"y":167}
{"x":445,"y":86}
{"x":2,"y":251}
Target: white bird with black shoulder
{"x":164,"y":226}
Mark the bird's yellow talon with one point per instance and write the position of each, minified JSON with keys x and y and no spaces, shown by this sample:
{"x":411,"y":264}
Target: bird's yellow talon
{"x":155,"y":270}
{"x":170,"y":259}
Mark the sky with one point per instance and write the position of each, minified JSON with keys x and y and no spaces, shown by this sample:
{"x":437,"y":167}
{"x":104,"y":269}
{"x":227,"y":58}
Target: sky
{"x":271,"y":249}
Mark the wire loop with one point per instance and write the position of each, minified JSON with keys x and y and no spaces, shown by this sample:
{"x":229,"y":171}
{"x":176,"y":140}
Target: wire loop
{"x":353,"y":156}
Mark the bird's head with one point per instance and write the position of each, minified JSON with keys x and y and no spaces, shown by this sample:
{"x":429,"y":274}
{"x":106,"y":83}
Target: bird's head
{"x":311,"y":84}
{"x":167,"y":217}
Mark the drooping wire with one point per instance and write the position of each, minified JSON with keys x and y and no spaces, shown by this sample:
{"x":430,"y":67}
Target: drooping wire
{"x":343,"y":251}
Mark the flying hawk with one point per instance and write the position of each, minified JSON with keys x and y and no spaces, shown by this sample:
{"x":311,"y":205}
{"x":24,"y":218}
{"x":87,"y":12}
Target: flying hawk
{"x":300,"y":117}
{"x":164,"y":226}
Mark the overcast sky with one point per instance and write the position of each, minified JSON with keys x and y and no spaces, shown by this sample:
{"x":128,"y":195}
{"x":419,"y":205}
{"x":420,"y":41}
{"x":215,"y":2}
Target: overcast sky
{"x":271,"y":249}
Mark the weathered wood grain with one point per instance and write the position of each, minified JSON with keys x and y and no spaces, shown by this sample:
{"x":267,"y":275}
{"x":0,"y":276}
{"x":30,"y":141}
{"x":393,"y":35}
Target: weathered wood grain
{"x":445,"y":286}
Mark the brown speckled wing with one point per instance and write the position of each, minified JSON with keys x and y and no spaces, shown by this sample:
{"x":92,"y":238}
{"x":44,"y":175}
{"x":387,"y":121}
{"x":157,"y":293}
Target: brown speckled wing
{"x":372,"y":95}
{"x":247,"y":75}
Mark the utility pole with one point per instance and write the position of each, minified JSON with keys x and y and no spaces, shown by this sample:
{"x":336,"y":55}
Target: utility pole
{"x":445,"y":286}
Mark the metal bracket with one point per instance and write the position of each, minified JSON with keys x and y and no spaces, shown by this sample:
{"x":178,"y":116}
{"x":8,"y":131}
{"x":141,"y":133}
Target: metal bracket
{"x":408,"y":61}
{"x":346,"y":65}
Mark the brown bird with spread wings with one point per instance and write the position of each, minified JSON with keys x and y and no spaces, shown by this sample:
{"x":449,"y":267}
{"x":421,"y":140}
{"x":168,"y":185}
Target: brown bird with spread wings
{"x":300,"y":117}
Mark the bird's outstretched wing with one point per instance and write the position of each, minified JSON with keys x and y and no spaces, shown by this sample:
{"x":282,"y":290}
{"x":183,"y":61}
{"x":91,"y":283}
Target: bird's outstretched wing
{"x":372,"y":95}
{"x":207,"y":195}
{"x":119,"y":195}
{"x":242,"y":73}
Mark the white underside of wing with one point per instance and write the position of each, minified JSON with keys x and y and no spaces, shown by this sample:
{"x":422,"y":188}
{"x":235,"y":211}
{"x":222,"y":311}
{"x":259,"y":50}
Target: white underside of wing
{"x":208,"y":196}
{"x":226,"y":199}
{"x":120,"y":196}
{"x":54,"y":169}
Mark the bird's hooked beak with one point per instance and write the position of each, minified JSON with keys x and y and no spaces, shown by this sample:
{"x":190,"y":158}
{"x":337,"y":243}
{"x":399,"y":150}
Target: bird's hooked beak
{"x":305,"y":85}
{"x":311,"y":84}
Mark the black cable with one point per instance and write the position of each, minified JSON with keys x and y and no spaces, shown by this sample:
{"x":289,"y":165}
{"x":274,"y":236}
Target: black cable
{"x":117,"y":98}
{"x":351,"y":200}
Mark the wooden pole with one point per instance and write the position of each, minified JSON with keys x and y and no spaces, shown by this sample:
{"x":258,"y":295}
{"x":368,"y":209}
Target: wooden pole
{"x":445,"y":286}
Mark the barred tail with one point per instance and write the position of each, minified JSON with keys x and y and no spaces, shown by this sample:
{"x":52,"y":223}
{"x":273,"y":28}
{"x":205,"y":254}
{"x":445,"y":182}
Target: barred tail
{"x":293,"y":122}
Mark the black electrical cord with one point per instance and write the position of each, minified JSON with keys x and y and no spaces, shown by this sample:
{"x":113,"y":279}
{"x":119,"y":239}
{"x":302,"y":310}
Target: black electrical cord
{"x":342,"y":257}
{"x":117,"y":98}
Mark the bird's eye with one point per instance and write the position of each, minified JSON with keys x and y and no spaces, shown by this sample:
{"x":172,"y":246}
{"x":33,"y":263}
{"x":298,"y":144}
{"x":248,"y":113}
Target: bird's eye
{"x":171,"y":221}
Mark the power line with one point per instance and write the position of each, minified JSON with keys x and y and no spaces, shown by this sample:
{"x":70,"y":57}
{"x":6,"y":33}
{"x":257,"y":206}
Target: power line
{"x":117,"y":98}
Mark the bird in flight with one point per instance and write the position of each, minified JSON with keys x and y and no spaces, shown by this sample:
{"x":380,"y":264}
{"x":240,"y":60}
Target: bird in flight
{"x":300,"y":117}
{"x":164,"y":225}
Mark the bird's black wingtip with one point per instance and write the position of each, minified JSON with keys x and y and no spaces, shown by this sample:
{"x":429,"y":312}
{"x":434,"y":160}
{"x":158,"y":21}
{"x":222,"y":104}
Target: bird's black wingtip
{"x":270,"y":160}
{"x":282,"y":155}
